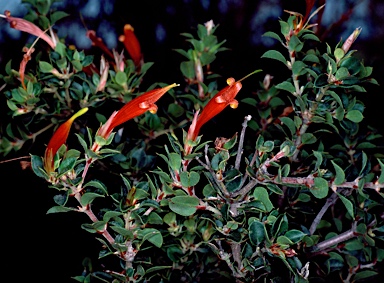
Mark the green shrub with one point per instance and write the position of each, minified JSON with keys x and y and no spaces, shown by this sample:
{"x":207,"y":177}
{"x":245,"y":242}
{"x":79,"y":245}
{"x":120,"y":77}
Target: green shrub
{"x":292,"y":195}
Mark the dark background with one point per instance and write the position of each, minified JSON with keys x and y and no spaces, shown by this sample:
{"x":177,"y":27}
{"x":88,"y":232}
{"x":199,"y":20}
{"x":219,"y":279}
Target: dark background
{"x":50,"y":248}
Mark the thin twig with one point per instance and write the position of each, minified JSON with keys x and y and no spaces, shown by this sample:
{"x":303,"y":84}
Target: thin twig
{"x":330,"y":201}
{"x":245,"y":190}
{"x":351,"y":233}
{"x":241,"y":141}
{"x":14,"y":159}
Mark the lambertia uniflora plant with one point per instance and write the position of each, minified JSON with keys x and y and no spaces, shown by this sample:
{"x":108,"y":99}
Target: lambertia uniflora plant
{"x":293,"y":195}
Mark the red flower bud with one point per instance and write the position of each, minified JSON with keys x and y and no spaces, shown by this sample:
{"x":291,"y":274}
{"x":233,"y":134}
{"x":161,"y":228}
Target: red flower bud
{"x":57,"y":140}
{"x":132,"y":44}
{"x":26,"y":26}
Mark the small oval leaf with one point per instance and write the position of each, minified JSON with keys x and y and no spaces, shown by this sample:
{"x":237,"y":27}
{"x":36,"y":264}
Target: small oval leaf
{"x":184,"y":205}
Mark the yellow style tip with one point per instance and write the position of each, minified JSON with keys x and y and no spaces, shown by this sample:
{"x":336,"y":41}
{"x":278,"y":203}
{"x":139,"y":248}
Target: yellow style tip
{"x":79,"y":113}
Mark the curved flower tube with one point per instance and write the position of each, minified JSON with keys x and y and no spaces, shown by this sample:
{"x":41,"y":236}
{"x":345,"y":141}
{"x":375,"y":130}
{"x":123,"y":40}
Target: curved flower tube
{"x":57,"y":140}
{"x":98,"y":41}
{"x":351,"y":39}
{"x":23,"y":64}
{"x":135,"y":107}
{"x":132,"y":44}
{"x":217,"y":104}
{"x":26,"y":26}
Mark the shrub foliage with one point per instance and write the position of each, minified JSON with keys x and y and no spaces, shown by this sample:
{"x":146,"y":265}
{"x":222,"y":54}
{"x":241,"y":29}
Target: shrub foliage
{"x":292,"y":195}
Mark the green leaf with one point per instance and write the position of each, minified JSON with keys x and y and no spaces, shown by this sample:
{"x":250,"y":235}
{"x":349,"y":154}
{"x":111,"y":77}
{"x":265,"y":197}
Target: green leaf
{"x":261,"y":194}
{"x":340,"y":175}
{"x":170,"y":218}
{"x":121,"y":78}
{"x":339,"y":53}
{"x":58,"y":209}
{"x":207,"y":58}
{"x":295,"y":44}
{"x":88,"y":198}
{"x":56,"y":16}
{"x":256,"y":232}
{"x":361,"y":228}
{"x":321,"y":80}
{"x":184,"y":53}
{"x":289,"y":123}
{"x":61,"y":199}
{"x":155,"y":219}
{"x":231,"y":143}
{"x":365,"y":145}
{"x":45,"y":67}
{"x":67,"y":165}
{"x":381,"y":178}
{"x":111,"y":214}
{"x":189,"y":179}
{"x":310,"y":36}
{"x":141,"y":194}
{"x":77,"y":65}
{"x":348,"y":205}
{"x":188,"y":69}
{"x":295,"y":235}
{"x":311,"y":58}
{"x":96,"y":184}
{"x":298,"y":68}
{"x":353,"y":65}
{"x":209,"y":191}
{"x":354,"y":245}
{"x":184,"y":205}
{"x":12,"y":106}
{"x":123,"y":232}
{"x":335,"y":96}
{"x":275,"y":189}
{"x":151,"y":235}
{"x":319,"y":159}
{"x":175,"y":110}
{"x":355,"y":116}
{"x":174,"y":161}
{"x":82,"y":142}
{"x":250,"y":101}
{"x":286,"y":86}
{"x":320,"y":188}
{"x":95,"y":227}
{"x":37,"y":166}
{"x":364,"y":274}
{"x":272,"y":35}
{"x":284,"y":28}
{"x":341,"y":73}
{"x":364,"y":160}
{"x":156,"y":268}
{"x":308,"y":138}
{"x":283,"y":241}
{"x":273,"y":54}
{"x":304,"y":197}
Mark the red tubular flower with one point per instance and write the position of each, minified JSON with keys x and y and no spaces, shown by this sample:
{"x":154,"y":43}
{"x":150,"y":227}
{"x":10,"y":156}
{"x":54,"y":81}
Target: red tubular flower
{"x":308,"y":8}
{"x":132,"y":44}
{"x":57,"y":140}
{"x":23,"y":64}
{"x":135,"y":107}
{"x":26,"y":26}
{"x":104,"y":68}
{"x":351,"y":39}
{"x":97,"y":41}
{"x":217,"y":104}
